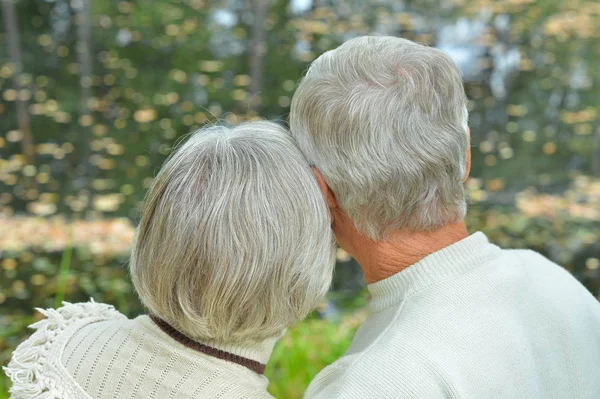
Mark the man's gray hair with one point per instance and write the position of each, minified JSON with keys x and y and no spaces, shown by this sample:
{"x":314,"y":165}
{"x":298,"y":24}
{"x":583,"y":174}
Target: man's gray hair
{"x":385,"y":121}
{"x":234,"y":244}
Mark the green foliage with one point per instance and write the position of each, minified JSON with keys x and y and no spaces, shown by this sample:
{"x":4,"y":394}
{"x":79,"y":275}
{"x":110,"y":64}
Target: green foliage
{"x":306,"y":349}
{"x":65,"y":264}
{"x":4,"y":385}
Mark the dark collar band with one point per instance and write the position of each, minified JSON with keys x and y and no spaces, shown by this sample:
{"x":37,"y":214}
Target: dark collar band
{"x":253,"y":365}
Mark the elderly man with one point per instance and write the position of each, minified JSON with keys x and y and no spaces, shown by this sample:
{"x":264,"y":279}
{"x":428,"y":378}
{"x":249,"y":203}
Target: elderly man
{"x":384,"y":122}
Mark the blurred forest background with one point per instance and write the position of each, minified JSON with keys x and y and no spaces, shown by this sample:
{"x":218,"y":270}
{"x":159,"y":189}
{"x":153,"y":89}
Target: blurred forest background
{"x":94,"y":94}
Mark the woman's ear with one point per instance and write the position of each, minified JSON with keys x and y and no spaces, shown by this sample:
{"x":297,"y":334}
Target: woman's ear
{"x":468,"y":164}
{"x":325,"y":190}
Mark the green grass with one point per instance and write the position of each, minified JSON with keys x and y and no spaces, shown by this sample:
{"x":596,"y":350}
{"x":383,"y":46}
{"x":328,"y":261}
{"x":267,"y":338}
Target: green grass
{"x":3,"y":386}
{"x":65,"y":266}
{"x":305,"y":350}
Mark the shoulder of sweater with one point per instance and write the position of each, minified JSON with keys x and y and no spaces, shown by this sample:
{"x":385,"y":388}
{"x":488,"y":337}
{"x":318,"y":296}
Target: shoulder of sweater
{"x":369,"y":374}
{"x":77,"y":313}
{"x":526,"y":255}
{"x":532,"y":259}
{"x":31,"y":363}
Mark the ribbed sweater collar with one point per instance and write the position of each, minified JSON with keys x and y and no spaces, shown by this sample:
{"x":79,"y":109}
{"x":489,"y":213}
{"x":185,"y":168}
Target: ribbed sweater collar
{"x":259,"y":352}
{"x":456,"y":259}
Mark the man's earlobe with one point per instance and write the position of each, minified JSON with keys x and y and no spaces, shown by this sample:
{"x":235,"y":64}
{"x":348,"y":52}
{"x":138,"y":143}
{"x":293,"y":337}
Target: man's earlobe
{"x":327,"y":193}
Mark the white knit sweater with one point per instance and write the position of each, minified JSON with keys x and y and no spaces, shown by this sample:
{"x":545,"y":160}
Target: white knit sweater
{"x":473,"y":321}
{"x":89,"y":350}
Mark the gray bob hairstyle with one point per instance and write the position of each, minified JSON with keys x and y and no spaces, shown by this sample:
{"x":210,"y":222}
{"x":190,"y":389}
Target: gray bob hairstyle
{"x":234,"y":243}
{"x":385,"y":122}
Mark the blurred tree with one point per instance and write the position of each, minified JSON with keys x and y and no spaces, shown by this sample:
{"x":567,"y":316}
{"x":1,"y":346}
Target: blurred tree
{"x":596,"y":153}
{"x":116,"y":101}
{"x":83,"y":18}
{"x":258,"y":49}
{"x":14,"y":49}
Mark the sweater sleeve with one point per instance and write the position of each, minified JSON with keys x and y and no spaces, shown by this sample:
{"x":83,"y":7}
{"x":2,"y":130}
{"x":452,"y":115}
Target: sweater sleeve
{"x":32,"y":368}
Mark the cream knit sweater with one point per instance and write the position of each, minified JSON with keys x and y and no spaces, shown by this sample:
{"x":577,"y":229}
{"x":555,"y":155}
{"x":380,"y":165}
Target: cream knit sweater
{"x":473,"y":321}
{"x":89,"y":350}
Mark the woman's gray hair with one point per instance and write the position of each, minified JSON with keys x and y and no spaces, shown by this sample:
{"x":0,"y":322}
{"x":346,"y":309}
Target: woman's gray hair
{"x":385,"y":121}
{"x":234,"y":244}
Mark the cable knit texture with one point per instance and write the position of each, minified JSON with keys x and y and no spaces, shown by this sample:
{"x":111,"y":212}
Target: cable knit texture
{"x":90,"y":350}
{"x":473,"y":321}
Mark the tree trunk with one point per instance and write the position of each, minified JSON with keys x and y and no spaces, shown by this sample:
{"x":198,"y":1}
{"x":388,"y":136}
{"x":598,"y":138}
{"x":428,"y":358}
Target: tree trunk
{"x":258,"y":50}
{"x":84,"y":55}
{"x":596,"y":153}
{"x":14,"y":51}
{"x":84,"y":58}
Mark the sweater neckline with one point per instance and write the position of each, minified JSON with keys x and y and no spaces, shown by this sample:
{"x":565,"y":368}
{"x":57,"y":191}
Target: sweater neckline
{"x":453,"y":260}
{"x":253,"y":359}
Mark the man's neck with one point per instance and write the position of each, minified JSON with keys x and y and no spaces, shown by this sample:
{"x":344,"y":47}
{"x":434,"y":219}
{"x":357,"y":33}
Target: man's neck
{"x":382,"y":259}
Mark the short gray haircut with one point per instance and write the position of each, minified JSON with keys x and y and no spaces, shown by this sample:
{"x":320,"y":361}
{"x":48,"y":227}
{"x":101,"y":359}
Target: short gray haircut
{"x":384,"y":119}
{"x":234,"y":243}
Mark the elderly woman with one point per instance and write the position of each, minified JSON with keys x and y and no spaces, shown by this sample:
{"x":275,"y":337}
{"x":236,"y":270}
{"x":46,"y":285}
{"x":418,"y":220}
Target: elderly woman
{"x":234,"y":246}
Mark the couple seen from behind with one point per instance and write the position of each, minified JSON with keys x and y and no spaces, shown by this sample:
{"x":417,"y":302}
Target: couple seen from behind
{"x":236,"y":243}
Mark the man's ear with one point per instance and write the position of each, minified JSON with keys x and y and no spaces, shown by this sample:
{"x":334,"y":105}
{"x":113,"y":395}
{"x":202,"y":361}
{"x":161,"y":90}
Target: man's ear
{"x":327,"y":193}
{"x":468,"y":165}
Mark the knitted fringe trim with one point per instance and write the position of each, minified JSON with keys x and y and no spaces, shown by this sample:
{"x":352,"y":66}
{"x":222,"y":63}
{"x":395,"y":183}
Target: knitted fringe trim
{"x":27,"y":364}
